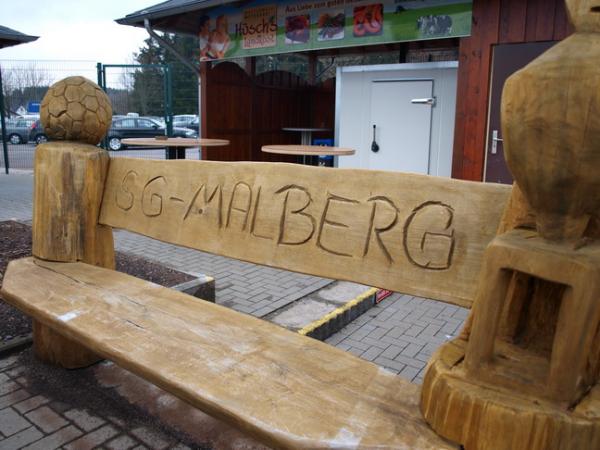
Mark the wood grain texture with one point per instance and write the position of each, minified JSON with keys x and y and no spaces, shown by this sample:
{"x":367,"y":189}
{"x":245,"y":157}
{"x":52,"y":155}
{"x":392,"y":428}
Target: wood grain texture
{"x":76,"y":109}
{"x":488,"y":417}
{"x":527,"y":365}
{"x":251,"y":109}
{"x":227,"y":111}
{"x":530,"y":360}
{"x":473,"y":83}
{"x":410,"y":233}
{"x":494,"y":22}
{"x":288,"y":390}
{"x":68,"y":187}
{"x":551,"y":129}
{"x":518,"y":213}
{"x":513,"y":21}
{"x":561,"y":330}
{"x":53,"y":348}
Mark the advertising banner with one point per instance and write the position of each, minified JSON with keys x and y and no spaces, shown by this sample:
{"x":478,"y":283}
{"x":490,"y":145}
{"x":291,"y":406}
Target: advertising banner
{"x":264,"y":27}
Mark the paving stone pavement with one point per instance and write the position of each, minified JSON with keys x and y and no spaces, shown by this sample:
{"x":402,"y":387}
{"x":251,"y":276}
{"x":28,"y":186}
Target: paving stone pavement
{"x":16,"y":196}
{"x":31,"y":420}
{"x":401,"y":333}
{"x":242,"y":286}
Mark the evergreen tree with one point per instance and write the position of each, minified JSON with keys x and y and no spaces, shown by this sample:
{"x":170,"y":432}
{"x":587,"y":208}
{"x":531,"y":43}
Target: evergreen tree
{"x":148,"y":87}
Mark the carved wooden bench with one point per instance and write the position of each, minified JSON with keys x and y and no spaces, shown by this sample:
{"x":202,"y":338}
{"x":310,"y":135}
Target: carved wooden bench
{"x":415,"y":234}
{"x":525,"y":372}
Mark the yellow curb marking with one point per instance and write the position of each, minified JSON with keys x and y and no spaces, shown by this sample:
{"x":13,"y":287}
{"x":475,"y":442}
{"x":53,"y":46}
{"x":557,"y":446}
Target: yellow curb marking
{"x":336,"y":312}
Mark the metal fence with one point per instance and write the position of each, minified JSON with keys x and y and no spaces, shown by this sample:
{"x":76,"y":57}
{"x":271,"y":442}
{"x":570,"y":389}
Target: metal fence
{"x":133,"y":90}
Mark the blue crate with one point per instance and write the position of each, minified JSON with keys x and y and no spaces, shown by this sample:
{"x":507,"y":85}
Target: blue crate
{"x":324,"y":160}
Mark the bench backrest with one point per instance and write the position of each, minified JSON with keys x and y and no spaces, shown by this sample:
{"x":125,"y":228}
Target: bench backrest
{"x":415,"y":234}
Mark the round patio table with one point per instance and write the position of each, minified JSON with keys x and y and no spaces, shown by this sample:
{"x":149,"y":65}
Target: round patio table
{"x":307,"y":150}
{"x":175,"y":145}
{"x":306,"y":133}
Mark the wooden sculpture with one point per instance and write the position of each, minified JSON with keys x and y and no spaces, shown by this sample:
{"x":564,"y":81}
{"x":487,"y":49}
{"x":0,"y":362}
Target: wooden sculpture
{"x":68,"y":187}
{"x":524,"y":374}
{"x":76,"y":109}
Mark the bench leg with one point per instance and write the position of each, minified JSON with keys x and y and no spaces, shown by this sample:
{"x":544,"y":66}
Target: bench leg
{"x":69,"y":183}
{"x":53,"y":348}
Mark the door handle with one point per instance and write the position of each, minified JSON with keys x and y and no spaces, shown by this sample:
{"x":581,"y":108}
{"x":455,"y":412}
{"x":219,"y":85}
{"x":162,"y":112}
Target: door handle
{"x":374,"y":144}
{"x":495,"y":140}
{"x":423,"y":101}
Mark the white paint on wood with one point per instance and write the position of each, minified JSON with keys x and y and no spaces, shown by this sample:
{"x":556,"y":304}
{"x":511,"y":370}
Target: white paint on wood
{"x":68,"y":316}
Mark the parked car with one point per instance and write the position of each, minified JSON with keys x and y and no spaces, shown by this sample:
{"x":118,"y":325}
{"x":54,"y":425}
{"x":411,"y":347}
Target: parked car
{"x":36,"y":132}
{"x":160,"y":120}
{"x":17,"y":130}
{"x":195,"y":125}
{"x":140,"y":127}
{"x":184,"y":120}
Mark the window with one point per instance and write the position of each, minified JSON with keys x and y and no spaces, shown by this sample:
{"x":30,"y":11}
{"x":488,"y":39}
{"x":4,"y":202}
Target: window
{"x":125,"y":123}
{"x":145,"y":123}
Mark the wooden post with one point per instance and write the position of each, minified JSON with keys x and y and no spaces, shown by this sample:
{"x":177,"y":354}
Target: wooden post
{"x":203,"y":92}
{"x":69,"y":181}
{"x":68,"y":188}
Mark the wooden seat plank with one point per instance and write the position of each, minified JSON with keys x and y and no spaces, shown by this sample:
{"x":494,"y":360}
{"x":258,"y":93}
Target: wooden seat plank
{"x":287,"y":390}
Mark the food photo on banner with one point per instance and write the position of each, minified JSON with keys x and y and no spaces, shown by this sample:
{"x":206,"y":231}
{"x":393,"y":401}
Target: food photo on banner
{"x":265,"y":27}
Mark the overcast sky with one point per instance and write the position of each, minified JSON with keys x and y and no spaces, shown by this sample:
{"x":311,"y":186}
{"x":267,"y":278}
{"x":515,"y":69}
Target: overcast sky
{"x":73,"y":29}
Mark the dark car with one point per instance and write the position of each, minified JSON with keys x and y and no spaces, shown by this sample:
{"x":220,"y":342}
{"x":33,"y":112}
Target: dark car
{"x":36,"y":132}
{"x":17,"y":130}
{"x":140,"y":127}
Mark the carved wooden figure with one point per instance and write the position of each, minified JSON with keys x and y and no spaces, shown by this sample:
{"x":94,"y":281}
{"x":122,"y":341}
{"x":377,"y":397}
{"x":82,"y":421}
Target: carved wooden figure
{"x":524,"y":373}
{"x":65,"y":212}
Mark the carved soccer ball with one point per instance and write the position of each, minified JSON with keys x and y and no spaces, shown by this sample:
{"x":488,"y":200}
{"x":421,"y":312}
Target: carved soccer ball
{"x":76,"y":109}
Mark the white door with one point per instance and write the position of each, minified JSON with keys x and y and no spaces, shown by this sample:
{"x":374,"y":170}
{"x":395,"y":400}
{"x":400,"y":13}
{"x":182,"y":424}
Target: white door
{"x":401,"y":119}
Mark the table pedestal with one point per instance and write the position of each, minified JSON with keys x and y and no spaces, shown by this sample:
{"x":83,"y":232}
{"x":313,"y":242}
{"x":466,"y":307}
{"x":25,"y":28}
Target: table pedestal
{"x":175,"y":153}
{"x":306,"y":140}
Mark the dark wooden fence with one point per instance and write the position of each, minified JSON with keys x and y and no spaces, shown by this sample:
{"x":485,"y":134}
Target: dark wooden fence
{"x":251,"y":111}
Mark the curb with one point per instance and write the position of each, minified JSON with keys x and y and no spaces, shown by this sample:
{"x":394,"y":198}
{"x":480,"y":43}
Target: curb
{"x":334,"y":321}
{"x":16,"y":344}
{"x":202,"y":287}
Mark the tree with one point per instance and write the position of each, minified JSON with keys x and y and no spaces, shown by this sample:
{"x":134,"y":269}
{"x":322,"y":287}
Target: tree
{"x":22,"y":84}
{"x":148,"y":87}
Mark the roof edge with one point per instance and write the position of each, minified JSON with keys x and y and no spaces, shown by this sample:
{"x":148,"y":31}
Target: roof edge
{"x":10,"y":37}
{"x":137,"y":18}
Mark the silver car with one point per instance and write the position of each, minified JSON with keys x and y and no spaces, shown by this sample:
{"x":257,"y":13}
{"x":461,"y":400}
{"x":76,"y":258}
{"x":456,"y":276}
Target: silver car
{"x":17,"y":130}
